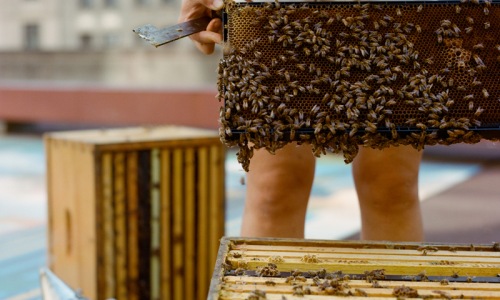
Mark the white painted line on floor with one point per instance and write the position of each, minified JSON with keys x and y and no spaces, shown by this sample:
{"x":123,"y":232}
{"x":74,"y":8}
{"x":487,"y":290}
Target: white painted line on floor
{"x":28,"y":295}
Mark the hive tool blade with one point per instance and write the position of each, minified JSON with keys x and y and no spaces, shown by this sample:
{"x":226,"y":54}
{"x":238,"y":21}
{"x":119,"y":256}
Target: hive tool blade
{"x":161,"y":36}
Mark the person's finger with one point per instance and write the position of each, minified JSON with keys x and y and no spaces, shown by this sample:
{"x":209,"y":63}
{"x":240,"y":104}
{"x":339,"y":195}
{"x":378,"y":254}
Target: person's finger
{"x":211,"y":35}
{"x":206,"y":40}
{"x":215,"y":26}
{"x":192,"y":9}
{"x":207,"y":37}
{"x":213,"y":4}
{"x":205,"y":48}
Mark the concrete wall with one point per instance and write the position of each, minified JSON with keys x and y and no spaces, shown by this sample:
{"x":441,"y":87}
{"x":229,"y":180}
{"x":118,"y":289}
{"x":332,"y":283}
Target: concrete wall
{"x":169,"y":66}
{"x":15,"y":15}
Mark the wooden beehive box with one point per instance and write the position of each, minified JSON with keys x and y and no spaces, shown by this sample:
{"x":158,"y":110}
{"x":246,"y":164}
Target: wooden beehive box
{"x":309,"y":269}
{"x":135,"y":213}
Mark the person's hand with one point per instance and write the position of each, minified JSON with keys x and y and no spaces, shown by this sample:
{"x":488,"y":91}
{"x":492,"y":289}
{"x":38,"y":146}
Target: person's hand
{"x":192,"y":9}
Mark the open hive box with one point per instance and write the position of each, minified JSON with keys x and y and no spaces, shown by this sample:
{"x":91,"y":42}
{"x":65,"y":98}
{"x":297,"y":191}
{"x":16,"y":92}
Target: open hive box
{"x":136,"y":212}
{"x":312,"y":269}
{"x":339,"y":74}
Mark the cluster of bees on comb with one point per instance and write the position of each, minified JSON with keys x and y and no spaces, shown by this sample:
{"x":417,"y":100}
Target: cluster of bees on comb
{"x":342,"y":75}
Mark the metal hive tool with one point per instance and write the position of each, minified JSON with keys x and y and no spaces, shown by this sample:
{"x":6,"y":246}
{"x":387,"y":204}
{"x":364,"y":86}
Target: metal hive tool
{"x":339,"y":75}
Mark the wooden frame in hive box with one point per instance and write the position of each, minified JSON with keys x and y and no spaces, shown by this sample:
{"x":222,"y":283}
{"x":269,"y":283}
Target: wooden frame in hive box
{"x":267,"y":268}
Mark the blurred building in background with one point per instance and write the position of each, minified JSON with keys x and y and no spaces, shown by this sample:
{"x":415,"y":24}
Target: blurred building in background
{"x":65,"y":25}
{"x":91,"y":41}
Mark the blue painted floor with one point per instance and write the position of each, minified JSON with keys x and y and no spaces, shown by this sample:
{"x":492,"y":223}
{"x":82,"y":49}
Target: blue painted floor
{"x":23,"y":206}
{"x":23,"y":217}
{"x":24,"y":254}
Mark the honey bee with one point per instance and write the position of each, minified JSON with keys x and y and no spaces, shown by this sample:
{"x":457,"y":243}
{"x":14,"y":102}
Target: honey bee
{"x":469,"y":97}
{"x":446,"y":23}
{"x":325,"y":99}
{"x":317,"y":128}
{"x":478,"y":112}
{"x":486,"y":25}
{"x":228,"y":113}
{"x":274,"y":62}
{"x":270,"y":283}
{"x":457,"y":9}
{"x":353,"y":131}
{"x":360,"y":292}
{"x":485,"y":93}
{"x":468,"y":30}
{"x":298,"y":291}
{"x":478,"y":46}
{"x":419,"y":8}
{"x":486,"y":11}
{"x":456,"y":30}
{"x":471,"y":103}
{"x":470,"y":20}
{"x":496,"y":247}
{"x":301,"y":67}
{"x":256,"y":295}
{"x":421,"y":126}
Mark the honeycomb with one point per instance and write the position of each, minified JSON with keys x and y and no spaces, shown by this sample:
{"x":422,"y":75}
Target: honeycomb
{"x":349,"y":74}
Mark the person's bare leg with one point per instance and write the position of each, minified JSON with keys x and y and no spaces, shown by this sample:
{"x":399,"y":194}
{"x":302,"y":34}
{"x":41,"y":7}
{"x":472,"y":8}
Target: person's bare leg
{"x":387,"y":185}
{"x":278,"y":189}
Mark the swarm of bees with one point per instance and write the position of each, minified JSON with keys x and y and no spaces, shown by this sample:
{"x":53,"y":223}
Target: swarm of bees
{"x":268,"y":271}
{"x":310,"y":258}
{"x":337,"y":76}
{"x":405,"y":292}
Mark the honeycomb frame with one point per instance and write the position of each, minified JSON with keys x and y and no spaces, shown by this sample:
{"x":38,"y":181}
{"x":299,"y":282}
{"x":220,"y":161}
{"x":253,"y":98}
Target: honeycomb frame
{"x":339,"y":75}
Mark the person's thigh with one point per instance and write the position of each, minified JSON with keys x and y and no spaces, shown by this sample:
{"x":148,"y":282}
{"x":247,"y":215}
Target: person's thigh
{"x":278,"y":189}
{"x":387,"y":186}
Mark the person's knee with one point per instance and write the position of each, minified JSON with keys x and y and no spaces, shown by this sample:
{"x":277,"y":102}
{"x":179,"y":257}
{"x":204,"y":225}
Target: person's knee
{"x":387,"y":179}
{"x":281,"y":183}
{"x":278,"y":191}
